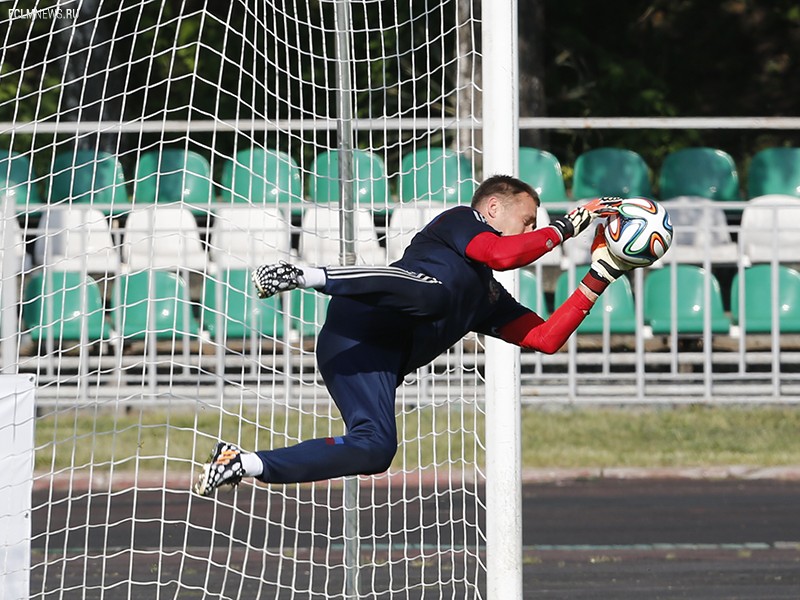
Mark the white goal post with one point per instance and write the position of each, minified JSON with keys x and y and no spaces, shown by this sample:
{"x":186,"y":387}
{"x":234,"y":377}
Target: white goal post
{"x":151,"y":153}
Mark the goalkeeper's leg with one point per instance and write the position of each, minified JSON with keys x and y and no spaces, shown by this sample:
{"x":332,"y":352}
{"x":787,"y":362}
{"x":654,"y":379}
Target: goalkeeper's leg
{"x":362,"y":379}
{"x":390,"y":287}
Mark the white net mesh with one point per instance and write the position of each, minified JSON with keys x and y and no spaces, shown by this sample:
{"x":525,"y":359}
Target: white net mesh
{"x":150,"y":155}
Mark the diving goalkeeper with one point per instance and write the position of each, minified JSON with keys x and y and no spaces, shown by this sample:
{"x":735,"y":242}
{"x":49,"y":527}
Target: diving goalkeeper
{"x":385,"y":322}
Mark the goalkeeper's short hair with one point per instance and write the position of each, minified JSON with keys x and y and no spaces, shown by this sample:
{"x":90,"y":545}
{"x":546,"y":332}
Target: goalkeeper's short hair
{"x":502,"y":186}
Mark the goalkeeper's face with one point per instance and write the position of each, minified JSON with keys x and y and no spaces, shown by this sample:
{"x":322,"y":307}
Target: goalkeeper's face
{"x":511,"y":215}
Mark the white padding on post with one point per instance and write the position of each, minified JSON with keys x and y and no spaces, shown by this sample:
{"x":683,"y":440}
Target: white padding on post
{"x":17,"y":413}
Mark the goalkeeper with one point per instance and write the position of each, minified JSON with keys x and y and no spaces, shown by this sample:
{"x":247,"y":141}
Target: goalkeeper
{"x":385,"y":322}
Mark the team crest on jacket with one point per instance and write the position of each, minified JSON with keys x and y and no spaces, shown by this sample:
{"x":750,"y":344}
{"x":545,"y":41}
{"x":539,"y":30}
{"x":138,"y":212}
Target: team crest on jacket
{"x":494,"y":291}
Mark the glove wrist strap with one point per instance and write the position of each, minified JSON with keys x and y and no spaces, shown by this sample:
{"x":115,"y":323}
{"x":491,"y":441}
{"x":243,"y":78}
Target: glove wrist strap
{"x":595,"y":281}
{"x":564,"y":227}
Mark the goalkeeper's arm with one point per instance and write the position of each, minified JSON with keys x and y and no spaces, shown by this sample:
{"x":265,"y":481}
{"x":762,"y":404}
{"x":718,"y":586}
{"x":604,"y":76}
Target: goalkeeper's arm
{"x":531,"y":331}
{"x":502,"y":253}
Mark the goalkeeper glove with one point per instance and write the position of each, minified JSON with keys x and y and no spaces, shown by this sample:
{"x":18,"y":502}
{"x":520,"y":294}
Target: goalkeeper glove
{"x":578,"y":219}
{"x":606,"y":265}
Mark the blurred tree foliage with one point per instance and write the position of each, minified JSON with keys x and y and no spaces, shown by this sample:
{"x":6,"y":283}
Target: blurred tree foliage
{"x":275,"y":60}
{"x":684,"y":58}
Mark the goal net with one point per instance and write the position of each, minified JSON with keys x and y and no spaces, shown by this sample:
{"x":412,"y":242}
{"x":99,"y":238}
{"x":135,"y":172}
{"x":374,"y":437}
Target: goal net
{"x":151,"y":154}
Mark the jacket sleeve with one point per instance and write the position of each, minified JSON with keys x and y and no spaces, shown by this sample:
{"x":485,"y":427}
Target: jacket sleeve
{"x":502,"y":253}
{"x":532,"y":332}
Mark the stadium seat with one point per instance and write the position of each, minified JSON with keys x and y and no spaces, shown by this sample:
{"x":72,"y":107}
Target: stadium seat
{"x":162,"y":237}
{"x":756,"y":305}
{"x":542,"y":171}
{"x":404,"y":223}
{"x":152,"y":301}
{"x":237,"y":313}
{"x":616,"y":302}
{"x":690,"y":300}
{"x":174,"y":175}
{"x":319,"y":238}
{"x":436,"y":175}
{"x":243,"y":237}
{"x":262,"y":177}
{"x":611,"y":172}
{"x":88,"y":176}
{"x":771,"y":228}
{"x":308,"y":309}
{"x":576,"y":251}
{"x":703,"y":172}
{"x":774,"y":171}
{"x":556,"y":256}
{"x":57,"y":303}
{"x":699,"y":229}
{"x":370,"y":185}
{"x":531,"y":294}
{"x":74,"y":238}
{"x":17,"y":179}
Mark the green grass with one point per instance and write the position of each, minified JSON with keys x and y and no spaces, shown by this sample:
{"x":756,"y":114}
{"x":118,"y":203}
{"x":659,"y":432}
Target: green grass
{"x":564,"y":438}
{"x":676,"y":437}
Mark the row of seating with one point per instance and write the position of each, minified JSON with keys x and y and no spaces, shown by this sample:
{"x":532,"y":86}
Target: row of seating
{"x":156,"y":236}
{"x":265,"y":176}
{"x":750,"y":313}
{"x":58,"y":303}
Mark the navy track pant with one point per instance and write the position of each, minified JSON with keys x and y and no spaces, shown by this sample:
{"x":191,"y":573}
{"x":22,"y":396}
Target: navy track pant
{"x":361,"y":358}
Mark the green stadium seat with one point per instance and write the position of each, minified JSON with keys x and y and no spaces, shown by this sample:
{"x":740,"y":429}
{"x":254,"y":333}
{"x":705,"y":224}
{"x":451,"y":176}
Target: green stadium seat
{"x":701,"y":172}
{"x":262,"y":177}
{"x":308,"y":309}
{"x":611,"y":172}
{"x":616,"y":302}
{"x":166,"y":313}
{"x":531,"y":295}
{"x":55,"y":304}
{"x":436,"y":175}
{"x":370,"y":187}
{"x":174,"y":175}
{"x":17,"y":178}
{"x":239,"y":311}
{"x":87,"y":176}
{"x":690,"y":298}
{"x":756,"y":306}
{"x":542,"y":171}
{"x":774,"y":171}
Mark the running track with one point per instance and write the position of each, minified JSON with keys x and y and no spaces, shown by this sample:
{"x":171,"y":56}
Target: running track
{"x":583,"y":539}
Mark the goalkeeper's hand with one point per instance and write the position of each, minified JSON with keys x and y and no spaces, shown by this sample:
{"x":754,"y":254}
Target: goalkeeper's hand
{"x":579,"y":219}
{"x":604,"y":263}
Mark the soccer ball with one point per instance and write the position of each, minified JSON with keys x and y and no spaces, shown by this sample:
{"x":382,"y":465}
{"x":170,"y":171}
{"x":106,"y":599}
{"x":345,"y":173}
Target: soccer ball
{"x":640,"y":233}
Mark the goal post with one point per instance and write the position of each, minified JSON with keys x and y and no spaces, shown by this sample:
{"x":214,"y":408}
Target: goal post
{"x":503,"y":408}
{"x":17,"y":410}
{"x":150,"y":155}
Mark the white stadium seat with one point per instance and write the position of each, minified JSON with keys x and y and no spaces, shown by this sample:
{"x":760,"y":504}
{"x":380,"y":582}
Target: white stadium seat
{"x":74,"y":237}
{"x":163,"y":237}
{"x":771,"y":228}
{"x":244,"y":236}
{"x":555,"y":257}
{"x":405,"y":222}
{"x":700,"y":229}
{"x":319,"y":239}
